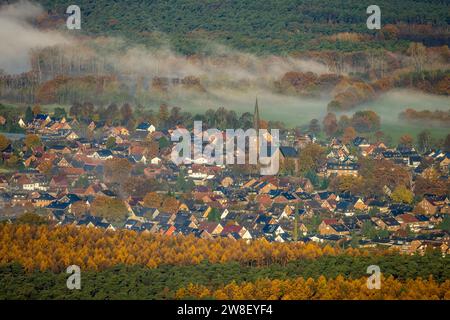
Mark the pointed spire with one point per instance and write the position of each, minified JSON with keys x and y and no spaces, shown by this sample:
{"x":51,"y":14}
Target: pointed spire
{"x":256,"y":119}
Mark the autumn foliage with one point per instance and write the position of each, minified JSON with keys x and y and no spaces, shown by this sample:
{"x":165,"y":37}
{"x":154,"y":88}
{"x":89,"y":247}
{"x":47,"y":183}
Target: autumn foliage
{"x":54,"y":248}
{"x":322,"y":288}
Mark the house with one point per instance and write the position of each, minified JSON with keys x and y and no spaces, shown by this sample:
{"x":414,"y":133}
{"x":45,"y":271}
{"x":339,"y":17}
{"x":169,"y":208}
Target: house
{"x":408,"y":220}
{"x":145,"y":127}
{"x":387,"y":223}
{"x":59,"y":182}
{"x":72,"y":136}
{"x":360,"y":205}
{"x":345,"y":207}
{"x":289,"y":154}
{"x":155,"y":161}
{"x":213,"y":228}
{"x":236,"y":229}
{"x":103,"y":154}
{"x":272,"y":230}
{"x":361,"y":142}
{"x":426,"y":207}
{"x":43,"y":200}
{"x":324,"y":225}
{"x":21,"y":123}
{"x":281,"y":210}
{"x":444,"y":162}
{"x":342,"y":168}
{"x":226,"y":182}
{"x":3,"y":183}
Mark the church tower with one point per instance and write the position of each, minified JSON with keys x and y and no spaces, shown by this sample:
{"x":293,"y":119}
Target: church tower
{"x":256,"y":120}
{"x":256,"y":123}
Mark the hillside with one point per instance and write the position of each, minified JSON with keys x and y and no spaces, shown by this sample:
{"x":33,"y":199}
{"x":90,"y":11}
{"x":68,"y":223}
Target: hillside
{"x":261,"y":26}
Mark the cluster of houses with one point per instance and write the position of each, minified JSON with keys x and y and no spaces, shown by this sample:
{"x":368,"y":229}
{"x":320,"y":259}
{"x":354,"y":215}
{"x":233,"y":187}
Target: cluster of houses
{"x":223,"y":202}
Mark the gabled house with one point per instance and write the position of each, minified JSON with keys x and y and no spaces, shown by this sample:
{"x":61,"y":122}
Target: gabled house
{"x":426,"y":207}
{"x":332,"y":227}
{"x":213,"y":228}
{"x":103,"y":154}
{"x":145,"y":127}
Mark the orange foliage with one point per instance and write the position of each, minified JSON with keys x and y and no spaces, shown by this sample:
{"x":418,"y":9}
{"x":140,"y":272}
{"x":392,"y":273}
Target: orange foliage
{"x":321,"y":288}
{"x":47,"y":247}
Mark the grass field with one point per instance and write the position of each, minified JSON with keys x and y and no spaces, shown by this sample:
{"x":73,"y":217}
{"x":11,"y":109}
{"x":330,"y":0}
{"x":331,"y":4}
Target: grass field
{"x":298,"y":111}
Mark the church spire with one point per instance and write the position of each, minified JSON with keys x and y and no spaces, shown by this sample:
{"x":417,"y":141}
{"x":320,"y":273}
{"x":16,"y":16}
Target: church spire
{"x":256,"y":120}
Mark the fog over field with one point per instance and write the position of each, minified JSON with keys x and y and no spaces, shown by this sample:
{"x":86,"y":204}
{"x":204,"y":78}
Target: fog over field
{"x":298,"y":110}
{"x":228,"y":78}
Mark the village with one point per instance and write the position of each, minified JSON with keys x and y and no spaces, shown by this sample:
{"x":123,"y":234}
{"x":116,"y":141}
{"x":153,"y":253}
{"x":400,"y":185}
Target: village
{"x":115,"y":177}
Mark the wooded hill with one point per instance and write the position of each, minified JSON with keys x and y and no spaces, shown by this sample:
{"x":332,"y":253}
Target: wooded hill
{"x":261,"y":26}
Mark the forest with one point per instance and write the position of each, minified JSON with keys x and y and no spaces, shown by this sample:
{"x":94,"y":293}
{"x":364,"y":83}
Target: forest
{"x":124,"y":265}
{"x":262,"y":27}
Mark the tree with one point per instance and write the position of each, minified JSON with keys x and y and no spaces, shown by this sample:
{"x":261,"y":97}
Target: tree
{"x":214,"y":215}
{"x":59,"y":112}
{"x":365,"y":121}
{"x":163,"y":114}
{"x":45,"y":167}
{"x":406,"y":140}
{"x":153,"y":200}
{"x":79,"y":208}
{"x":313,"y":177}
{"x":82,"y":182}
{"x":117,"y":169}
{"x":139,"y":186}
{"x":170,"y":204}
{"x":183,"y":184}
{"x":163,"y":143}
{"x":175,"y":116}
{"x":402,"y":194}
{"x":375,"y":174}
{"x":445,"y":224}
{"x":32,"y":141}
{"x":112,"y":209}
{"x":112,"y":113}
{"x":111,"y":142}
{"x":75,"y":110}
{"x":417,"y":51}
{"x":13,"y":161}
{"x":127,"y":113}
{"x":379,"y":135}
{"x":349,"y":135}
{"x":311,"y":157}
{"x":152,"y":148}
{"x":344,"y":122}
{"x":37,"y":109}
{"x":314,"y":126}
{"x":29,"y":116}
{"x":87,"y":110}
{"x":31,"y":218}
{"x":424,"y":140}
{"x":246,"y":120}
{"x":368,"y":230}
{"x":330,"y":125}
{"x":4,"y":142}
{"x":446,"y":145}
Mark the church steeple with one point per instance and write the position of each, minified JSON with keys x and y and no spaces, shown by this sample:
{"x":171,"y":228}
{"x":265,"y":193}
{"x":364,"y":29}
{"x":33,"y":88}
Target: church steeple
{"x":256,"y":120}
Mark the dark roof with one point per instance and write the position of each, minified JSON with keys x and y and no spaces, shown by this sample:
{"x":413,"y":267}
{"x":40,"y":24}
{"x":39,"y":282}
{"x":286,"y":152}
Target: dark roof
{"x":339,"y":227}
{"x":41,"y":116}
{"x":344,"y":206}
{"x":288,"y":152}
{"x":359,"y":141}
{"x":104,"y":153}
{"x":390,"y":221}
{"x":58,"y":205}
{"x":270,"y":228}
{"x":143,"y":126}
